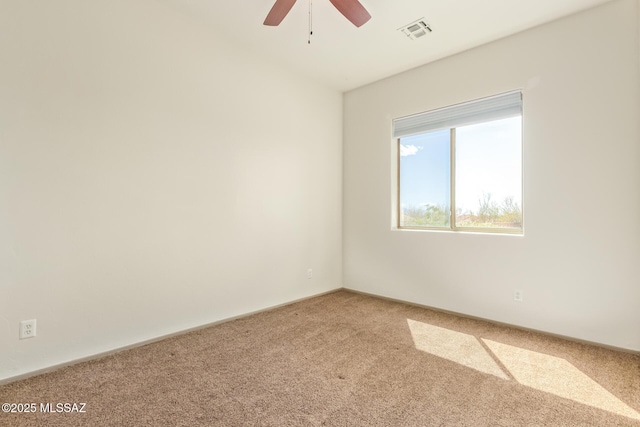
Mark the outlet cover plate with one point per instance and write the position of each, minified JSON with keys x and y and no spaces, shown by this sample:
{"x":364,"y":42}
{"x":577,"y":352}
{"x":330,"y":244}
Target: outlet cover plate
{"x":27,"y":329}
{"x":517,"y":295}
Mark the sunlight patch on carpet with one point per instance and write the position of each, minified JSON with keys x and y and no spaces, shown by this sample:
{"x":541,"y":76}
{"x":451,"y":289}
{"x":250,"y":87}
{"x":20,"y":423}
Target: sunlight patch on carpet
{"x":540,"y":371}
{"x":454,"y":346}
{"x":557,"y":376}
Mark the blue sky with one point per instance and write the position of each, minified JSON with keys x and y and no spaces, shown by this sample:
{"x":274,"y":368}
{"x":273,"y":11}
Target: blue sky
{"x":488,"y":159}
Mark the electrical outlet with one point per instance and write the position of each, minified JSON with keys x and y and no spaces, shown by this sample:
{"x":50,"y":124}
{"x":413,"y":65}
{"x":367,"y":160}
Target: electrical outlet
{"x":27,"y":329}
{"x":517,"y":295}
{"x":309,"y":273}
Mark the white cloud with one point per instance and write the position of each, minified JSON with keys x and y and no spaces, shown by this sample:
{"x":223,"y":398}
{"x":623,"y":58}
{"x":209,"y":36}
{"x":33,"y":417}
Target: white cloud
{"x":409,"y":150}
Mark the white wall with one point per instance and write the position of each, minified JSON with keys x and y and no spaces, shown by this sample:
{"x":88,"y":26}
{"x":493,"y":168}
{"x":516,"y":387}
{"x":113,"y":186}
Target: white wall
{"x":153,"y":178}
{"x":578,"y":262}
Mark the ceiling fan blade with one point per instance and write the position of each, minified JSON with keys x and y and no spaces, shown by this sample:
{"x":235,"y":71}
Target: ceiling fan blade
{"x":353,"y":11}
{"x":278,"y":12}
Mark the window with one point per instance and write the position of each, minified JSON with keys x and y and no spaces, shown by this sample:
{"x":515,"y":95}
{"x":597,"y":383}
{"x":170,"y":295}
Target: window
{"x":460,"y":167}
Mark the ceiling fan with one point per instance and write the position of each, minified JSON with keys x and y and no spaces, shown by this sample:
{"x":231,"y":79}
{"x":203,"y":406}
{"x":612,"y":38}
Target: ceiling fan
{"x":351,"y":9}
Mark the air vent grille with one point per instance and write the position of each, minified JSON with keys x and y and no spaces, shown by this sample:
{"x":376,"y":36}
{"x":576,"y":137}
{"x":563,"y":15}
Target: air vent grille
{"x":416,"y":29}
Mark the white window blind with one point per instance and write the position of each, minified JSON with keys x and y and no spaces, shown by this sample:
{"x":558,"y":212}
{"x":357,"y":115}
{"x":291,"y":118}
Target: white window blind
{"x":480,"y":110}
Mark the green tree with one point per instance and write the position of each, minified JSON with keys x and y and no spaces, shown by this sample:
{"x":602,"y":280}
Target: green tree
{"x":490,"y":214}
{"x":427,"y":216}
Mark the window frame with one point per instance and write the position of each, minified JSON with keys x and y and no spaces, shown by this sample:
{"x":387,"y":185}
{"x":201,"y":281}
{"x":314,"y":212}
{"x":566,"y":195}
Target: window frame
{"x":452,"y":185}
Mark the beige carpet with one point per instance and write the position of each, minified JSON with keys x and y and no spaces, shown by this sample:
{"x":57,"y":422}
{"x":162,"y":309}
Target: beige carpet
{"x":344,"y":359}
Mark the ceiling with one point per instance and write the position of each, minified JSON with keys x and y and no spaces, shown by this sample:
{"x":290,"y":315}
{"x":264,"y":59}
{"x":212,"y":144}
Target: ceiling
{"x":344,"y":57}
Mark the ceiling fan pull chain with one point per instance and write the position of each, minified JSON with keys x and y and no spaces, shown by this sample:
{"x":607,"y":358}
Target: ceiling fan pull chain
{"x":310,"y":21}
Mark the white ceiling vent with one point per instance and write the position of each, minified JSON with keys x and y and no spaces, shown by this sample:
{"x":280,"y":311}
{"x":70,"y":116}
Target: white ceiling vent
{"x":416,"y":29}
